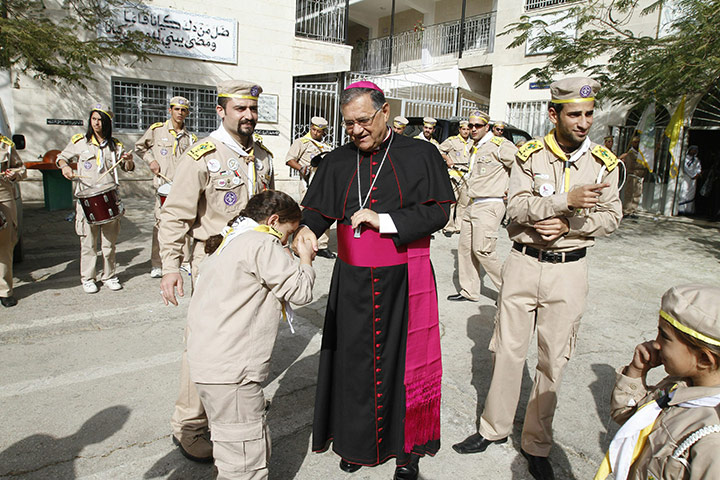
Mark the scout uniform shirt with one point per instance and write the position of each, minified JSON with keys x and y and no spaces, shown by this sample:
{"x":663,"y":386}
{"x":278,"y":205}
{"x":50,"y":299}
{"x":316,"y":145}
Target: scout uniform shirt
{"x":539,"y":183}
{"x":9,"y":160}
{"x":164,"y":145}
{"x":305,"y":148}
{"x":491,"y":163}
{"x":215,"y":185}
{"x":634,"y":163}
{"x":420,"y":136}
{"x":675,"y":424}
{"x":93,"y":160}
{"x":458,"y":149}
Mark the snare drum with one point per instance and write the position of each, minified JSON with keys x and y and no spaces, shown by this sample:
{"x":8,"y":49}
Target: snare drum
{"x":3,"y":220}
{"x":101,"y":204}
{"x":163,"y":191}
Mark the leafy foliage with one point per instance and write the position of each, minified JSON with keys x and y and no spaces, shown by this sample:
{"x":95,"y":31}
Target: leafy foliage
{"x":62,"y":45}
{"x":633,"y":68}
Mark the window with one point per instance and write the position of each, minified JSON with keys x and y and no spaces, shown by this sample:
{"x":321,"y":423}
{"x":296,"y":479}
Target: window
{"x":530,"y":116}
{"x":535,"y":4}
{"x":138,"y":104}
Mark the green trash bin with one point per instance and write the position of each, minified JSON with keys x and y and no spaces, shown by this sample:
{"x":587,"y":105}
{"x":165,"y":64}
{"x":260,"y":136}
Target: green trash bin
{"x":57,"y":190}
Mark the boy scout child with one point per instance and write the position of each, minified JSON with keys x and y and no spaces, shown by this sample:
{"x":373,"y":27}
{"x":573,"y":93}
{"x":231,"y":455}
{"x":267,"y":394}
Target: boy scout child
{"x":161,"y":147}
{"x":563,"y":193}
{"x":671,"y":431}
{"x":215,"y":177}
{"x":11,"y":170}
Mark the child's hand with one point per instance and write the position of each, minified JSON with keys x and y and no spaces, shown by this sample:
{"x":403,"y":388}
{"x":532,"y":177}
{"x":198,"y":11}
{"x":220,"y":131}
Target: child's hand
{"x":305,"y":251}
{"x":646,"y":356}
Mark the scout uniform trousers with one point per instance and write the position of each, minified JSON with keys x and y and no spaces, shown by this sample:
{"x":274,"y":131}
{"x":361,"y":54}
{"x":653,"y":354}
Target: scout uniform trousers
{"x":155,"y":260}
{"x":632,"y":194}
{"x":457,"y":211}
{"x":240,"y":435}
{"x":189,"y":416}
{"x":549,"y":297}
{"x":108,"y":234}
{"x":8,"y":238}
{"x":476,"y":247}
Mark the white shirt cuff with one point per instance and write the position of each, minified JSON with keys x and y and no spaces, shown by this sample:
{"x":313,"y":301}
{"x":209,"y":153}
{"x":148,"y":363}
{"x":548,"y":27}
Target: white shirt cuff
{"x":386,"y":223}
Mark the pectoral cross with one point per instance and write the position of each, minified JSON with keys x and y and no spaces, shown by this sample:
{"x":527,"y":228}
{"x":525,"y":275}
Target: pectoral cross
{"x":357,"y":231}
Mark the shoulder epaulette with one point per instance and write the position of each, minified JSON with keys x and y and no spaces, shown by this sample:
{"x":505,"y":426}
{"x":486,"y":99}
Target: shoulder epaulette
{"x":156,"y":125}
{"x":605,"y":156}
{"x":497,"y":140}
{"x":257,"y":137}
{"x":6,"y":140}
{"x":77,"y":137}
{"x":193,"y":137}
{"x":201,"y":149}
{"x":528,"y":149}
{"x":259,"y":144}
{"x":117,"y":142}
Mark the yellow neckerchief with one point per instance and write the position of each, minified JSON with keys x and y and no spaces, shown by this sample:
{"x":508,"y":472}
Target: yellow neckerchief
{"x":174,"y":133}
{"x":320,"y":146}
{"x":605,"y":468}
{"x":252,"y":171}
{"x":229,"y":233}
{"x":465,"y":144}
{"x":99,"y":156}
{"x":555,"y":148}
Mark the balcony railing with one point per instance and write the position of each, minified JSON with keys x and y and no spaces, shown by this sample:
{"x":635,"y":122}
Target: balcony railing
{"x":324,"y":20}
{"x":425,"y":45}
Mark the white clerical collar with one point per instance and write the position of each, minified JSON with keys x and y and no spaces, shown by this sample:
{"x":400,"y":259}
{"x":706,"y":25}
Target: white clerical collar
{"x":223,"y":136}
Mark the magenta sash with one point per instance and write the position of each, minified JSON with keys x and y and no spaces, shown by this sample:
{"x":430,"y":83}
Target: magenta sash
{"x":423,"y":360}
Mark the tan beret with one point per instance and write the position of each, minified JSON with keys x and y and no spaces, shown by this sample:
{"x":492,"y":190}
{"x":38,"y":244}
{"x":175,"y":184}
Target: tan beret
{"x":429,"y":121}
{"x":239,"y":89}
{"x":101,"y":107}
{"x":180,"y":102}
{"x":464,"y":123}
{"x":319,"y":122}
{"x":608,"y":137}
{"x":400,"y":121}
{"x":574,"y":90}
{"x":499,"y":124}
{"x":478,"y":115}
{"x":695,"y":310}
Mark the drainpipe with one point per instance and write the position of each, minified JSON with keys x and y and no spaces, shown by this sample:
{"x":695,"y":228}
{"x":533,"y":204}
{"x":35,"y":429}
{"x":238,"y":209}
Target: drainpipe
{"x":346,"y":27}
{"x":462,"y":29}
{"x":392,"y":36}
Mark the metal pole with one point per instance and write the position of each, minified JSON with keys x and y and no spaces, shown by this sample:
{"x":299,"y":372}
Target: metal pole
{"x":392,"y":35}
{"x":462,"y":29}
{"x":347,"y":20}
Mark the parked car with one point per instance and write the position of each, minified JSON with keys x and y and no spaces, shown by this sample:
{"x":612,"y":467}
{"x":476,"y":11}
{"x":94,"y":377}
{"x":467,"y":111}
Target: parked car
{"x":19,"y":145}
{"x":448,"y":128}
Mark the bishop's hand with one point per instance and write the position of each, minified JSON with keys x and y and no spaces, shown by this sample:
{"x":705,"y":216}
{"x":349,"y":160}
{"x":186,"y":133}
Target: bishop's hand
{"x":366,"y":216}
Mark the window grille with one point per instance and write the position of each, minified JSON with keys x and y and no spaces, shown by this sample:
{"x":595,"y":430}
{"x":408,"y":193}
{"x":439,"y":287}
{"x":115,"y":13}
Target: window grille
{"x":536,"y":4}
{"x":321,"y":19}
{"x":530,"y":116}
{"x":139,"y":104}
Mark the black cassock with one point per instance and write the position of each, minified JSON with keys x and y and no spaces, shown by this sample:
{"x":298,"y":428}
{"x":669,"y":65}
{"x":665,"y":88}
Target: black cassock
{"x":360,"y":400}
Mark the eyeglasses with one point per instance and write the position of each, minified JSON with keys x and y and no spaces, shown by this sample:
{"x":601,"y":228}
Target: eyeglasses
{"x":498,"y":129}
{"x":363,"y":122}
{"x":477,"y":125}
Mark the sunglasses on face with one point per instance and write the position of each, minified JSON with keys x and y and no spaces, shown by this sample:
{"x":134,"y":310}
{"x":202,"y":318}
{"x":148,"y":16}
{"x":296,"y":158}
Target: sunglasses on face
{"x":499,"y":129}
{"x":477,"y":125}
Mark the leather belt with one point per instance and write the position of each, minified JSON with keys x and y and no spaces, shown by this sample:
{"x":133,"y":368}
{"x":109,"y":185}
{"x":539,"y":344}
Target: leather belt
{"x":551,"y":257}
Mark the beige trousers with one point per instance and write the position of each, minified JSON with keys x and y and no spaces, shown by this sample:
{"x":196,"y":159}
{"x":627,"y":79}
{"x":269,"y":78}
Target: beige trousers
{"x":476,"y":247}
{"x":155,"y":259}
{"x":89,"y":234}
{"x":457,"y":210}
{"x":189,"y":418}
{"x":549,"y":298}
{"x":632,"y":194}
{"x":240,"y":435}
{"x":8,"y":239}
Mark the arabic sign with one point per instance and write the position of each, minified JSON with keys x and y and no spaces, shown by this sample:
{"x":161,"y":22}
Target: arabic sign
{"x":64,"y":121}
{"x":268,"y":108}
{"x":179,"y":34}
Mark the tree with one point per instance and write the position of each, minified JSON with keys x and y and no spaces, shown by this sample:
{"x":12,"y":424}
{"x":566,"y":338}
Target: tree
{"x":680,"y":58}
{"x":63,"y":49}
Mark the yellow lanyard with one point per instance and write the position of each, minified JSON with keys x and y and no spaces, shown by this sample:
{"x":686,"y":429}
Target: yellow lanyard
{"x":555,"y":148}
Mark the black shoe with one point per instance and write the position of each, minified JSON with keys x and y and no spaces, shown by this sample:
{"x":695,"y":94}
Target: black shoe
{"x":349,"y":467}
{"x":409,"y":471}
{"x":539,"y":467}
{"x":197,"y":449}
{"x":325,"y":253}
{"x":8,"y":301}
{"x":475,"y":443}
{"x":458,"y":298}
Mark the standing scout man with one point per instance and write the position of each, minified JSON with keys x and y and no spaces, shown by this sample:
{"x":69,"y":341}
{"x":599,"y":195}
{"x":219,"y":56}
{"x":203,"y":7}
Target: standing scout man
{"x":161,"y":147}
{"x":456,"y":151}
{"x":399,"y":124}
{"x":636,"y":169}
{"x":487,"y":182}
{"x":299,"y":156}
{"x":427,"y":131}
{"x":563,"y":193}
{"x":217,"y":176}
{"x":11,"y":170}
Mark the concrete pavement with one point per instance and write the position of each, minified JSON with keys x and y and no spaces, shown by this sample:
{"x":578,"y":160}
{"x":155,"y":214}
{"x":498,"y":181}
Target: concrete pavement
{"x":88,"y":381}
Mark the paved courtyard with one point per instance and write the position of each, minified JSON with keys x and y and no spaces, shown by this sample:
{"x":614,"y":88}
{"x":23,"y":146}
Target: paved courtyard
{"x":88,"y":382}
